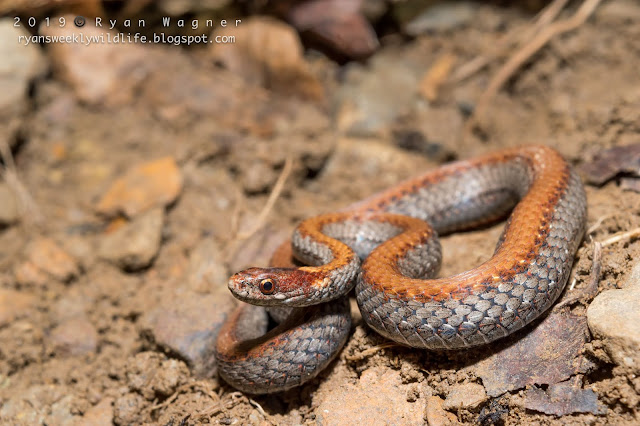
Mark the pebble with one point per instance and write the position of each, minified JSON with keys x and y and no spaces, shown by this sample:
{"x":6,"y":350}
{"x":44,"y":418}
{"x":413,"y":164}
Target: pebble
{"x":20,"y":64}
{"x":436,"y":415}
{"x":100,"y":414}
{"x":9,"y":212}
{"x":379,"y":397}
{"x":74,"y":336}
{"x":189,"y":328}
{"x":103,"y":74}
{"x":134,"y":245}
{"x":47,"y":256}
{"x":468,"y":395}
{"x":614,"y":318}
{"x":14,"y":304}
{"x":152,"y":184}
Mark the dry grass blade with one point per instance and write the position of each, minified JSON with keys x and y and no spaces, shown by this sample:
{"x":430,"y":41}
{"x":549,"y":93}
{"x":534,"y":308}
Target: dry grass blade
{"x":634,"y":233}
{"x":517,"y":35}
{"x":527,"y":51}
{"x":273,"y":197}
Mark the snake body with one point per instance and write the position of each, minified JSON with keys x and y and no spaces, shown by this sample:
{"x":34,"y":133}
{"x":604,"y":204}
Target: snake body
{"x":386,"y":247}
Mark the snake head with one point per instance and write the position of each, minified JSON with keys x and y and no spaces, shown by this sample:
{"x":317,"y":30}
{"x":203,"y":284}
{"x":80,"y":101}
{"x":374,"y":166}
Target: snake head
{"x":270,"y":286}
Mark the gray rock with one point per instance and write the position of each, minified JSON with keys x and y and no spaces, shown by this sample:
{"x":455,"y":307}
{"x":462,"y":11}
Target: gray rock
{"x":136,"y":244}
{"x":614,"y":318}
{"x":363,"y":107}
{"x":190,"y":327}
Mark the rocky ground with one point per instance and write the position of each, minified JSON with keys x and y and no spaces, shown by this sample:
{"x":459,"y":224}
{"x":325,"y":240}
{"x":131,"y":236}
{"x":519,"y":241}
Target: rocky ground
{"x":133,"y":178}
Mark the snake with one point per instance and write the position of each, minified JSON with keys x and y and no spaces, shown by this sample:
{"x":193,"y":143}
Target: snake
{"x":387,"y":248}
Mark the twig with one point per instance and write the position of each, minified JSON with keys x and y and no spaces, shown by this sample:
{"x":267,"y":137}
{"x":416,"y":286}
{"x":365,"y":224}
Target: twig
{"x":591,"y":289}
{"x":526,"y":52}
{"x":621,"y":236}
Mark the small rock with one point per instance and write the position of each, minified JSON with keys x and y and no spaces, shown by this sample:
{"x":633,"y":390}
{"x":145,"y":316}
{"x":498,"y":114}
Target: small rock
{"x":562,"y":399}
{"x":189,"y":328}
{"x":21,"y":63}
{"x":206,"y":267}
{"x":14,"y":304}
{"x":47,"y":256}
{"x":75,"y":336}
{"x":614,"y":318}
{"x":129,"y":409}
{"x":468,"y":395}
{"x":268,"y":53}
{"x":443,"y":16}
{"x":377,"y":398}
{"x":134,"y":245}
{"x":9,"y":212}
{"x":148,"y":185}
{"x":100,"y":414}
{"x":436,"y":415}
{"x":104,"y":73}
{"x":27,"y":274}
{"x":336,"y":25}
{"x":362,"y":109}
{"x":152,"y":374}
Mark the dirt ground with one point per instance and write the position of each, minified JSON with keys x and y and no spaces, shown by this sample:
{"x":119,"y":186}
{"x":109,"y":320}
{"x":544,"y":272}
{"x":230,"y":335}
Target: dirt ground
{"x":113,"y":276}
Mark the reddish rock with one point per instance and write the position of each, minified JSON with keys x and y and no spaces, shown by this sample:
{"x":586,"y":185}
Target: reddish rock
{"x":147,"y":185}
{"x":436,"y":415}
{"x":47,"y":256}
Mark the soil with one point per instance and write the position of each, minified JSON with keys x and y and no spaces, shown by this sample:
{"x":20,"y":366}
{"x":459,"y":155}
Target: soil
{"x":579,"y":94}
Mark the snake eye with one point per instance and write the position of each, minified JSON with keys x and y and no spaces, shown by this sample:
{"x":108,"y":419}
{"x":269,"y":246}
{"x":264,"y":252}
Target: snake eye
{"x":267,"y":286}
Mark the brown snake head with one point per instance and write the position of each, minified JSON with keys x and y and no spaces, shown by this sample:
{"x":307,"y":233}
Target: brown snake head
{"x":270,"y":286}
